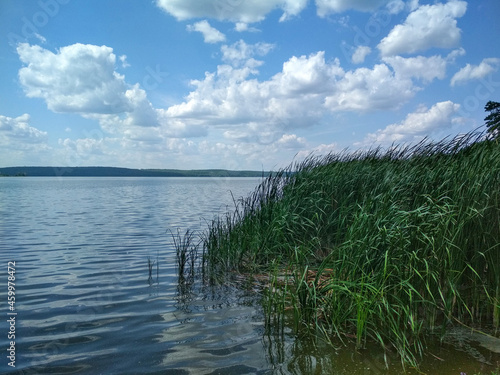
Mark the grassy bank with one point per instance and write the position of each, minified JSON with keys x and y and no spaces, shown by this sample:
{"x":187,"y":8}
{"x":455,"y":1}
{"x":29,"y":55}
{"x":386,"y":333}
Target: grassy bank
{"x":388,"y":245}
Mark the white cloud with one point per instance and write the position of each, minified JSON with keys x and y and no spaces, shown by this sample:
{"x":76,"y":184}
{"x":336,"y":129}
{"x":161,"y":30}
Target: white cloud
{"x":360,"y":54}
{"x":306,"y":89}
{"x":291,"y":141}
{"x":78,"y":78}
{"x":290,"y":98}
{"x":84,"y":147}
{"x":452,"y":56}
{"x":142,"y":112}
{"x":240,"y":52}
{"x":415,"y":126}
{"x":367,"y":89}
{"x":254,"y":133}
{"x":413,"y":4}
{"x":22,"y":144}
{"x":242,"y":26}
{"x":231,"y":10}
{"x":322,"y":149}
{"x":146,"y":147}
{"x":396,"y":6}
{"x":16,"y":131}
{"x":308,"y":75}
{"x":179,"y":128}
{"x":82,"y":79}
{"x":41,"y":38}
{"x":472,"y":72}
{"x":326,"y":7}
{"x":427,"y":27}
{"x":420,"y":67}
{"x":123,"y":59}
{"x":292,"y":8}
{"x":210,"y":34}
{"x":238,"y":115}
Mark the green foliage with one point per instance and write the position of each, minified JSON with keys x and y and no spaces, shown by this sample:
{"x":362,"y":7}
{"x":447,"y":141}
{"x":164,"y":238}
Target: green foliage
{"x":380,"y":245}
{"x":186,"y":256}
{"x":493,"y":119}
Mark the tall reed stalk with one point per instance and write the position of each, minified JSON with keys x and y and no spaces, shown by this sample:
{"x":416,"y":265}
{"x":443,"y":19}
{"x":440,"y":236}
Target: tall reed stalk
{"x":385,"y":245}
{"x":186,"y":255}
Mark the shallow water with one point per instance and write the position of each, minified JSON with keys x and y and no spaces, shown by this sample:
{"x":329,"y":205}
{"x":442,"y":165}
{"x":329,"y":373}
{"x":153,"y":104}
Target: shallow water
{"x":86,"y":303}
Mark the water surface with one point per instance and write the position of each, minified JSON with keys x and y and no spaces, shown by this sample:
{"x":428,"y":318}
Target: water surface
{"x":87,"y":303}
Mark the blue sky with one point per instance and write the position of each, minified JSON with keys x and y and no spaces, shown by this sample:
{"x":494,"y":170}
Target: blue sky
{"x":238,"y":84}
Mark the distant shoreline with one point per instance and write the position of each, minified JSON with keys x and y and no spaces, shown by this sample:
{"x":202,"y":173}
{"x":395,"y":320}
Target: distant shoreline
{"x":122,"y":172}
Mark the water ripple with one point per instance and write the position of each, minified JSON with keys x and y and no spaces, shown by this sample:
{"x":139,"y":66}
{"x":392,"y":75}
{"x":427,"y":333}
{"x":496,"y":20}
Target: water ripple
{"x":85,"y":300}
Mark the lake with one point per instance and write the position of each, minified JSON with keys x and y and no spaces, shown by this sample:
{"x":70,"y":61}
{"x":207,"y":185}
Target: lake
{"x":87,"y":303}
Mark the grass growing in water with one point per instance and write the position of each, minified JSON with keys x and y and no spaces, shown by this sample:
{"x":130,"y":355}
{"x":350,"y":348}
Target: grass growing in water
{"x":151,"y":264}
{"x":186,"y":256}
{"x":378,"y":245}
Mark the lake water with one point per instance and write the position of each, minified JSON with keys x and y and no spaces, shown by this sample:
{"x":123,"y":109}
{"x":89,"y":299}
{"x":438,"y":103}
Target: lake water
{"x":86,"y":303}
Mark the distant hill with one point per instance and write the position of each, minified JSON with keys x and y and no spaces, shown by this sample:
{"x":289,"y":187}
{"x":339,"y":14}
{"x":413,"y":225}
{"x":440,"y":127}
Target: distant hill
{"x":122,"y":172}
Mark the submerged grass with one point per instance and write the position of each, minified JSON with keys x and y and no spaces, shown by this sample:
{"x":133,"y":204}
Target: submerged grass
{"x":377,"y":245}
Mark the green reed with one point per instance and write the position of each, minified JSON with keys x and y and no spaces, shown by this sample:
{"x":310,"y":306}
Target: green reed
{"x":151,"y":264}
{"x":187,"y":257}
{"x":385,"y":245}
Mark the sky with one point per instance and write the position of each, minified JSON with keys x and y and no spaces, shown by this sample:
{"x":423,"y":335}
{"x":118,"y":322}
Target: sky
{"x":238,"y":84}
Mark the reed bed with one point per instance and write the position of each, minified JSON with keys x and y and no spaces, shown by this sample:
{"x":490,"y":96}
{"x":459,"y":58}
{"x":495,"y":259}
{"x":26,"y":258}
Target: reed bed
{"x":386,"y":245}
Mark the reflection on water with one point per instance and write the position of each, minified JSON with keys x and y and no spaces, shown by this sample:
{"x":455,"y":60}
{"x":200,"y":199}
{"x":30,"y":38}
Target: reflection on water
{"x":97,"y":289}
{"x":219,"y":327}
{"x":234,"y":329}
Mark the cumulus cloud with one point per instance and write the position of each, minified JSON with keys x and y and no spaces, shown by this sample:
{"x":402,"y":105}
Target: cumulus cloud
{"x":306,"y":89}
{"x":413,"y":4}
{"x":415,"y":126}
{"x":236,"y":113}
{"x":472,"y":72}
{"x":420,"y":67}
{"x":210,"y":34}
{"x":360,"y":54}
{"x":231,"y":96}
{"x":84,"y":147}
{"x":366,"y":89}
{"x":236,"y":11}
{"x":142,"y":112}
{"x":15,"y":131}
{"x":426,"y":27}
{"x":78,"y":78}
{"x":325,"y":7}
{"x":81,"y":78}
{"x":21,"y":143}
